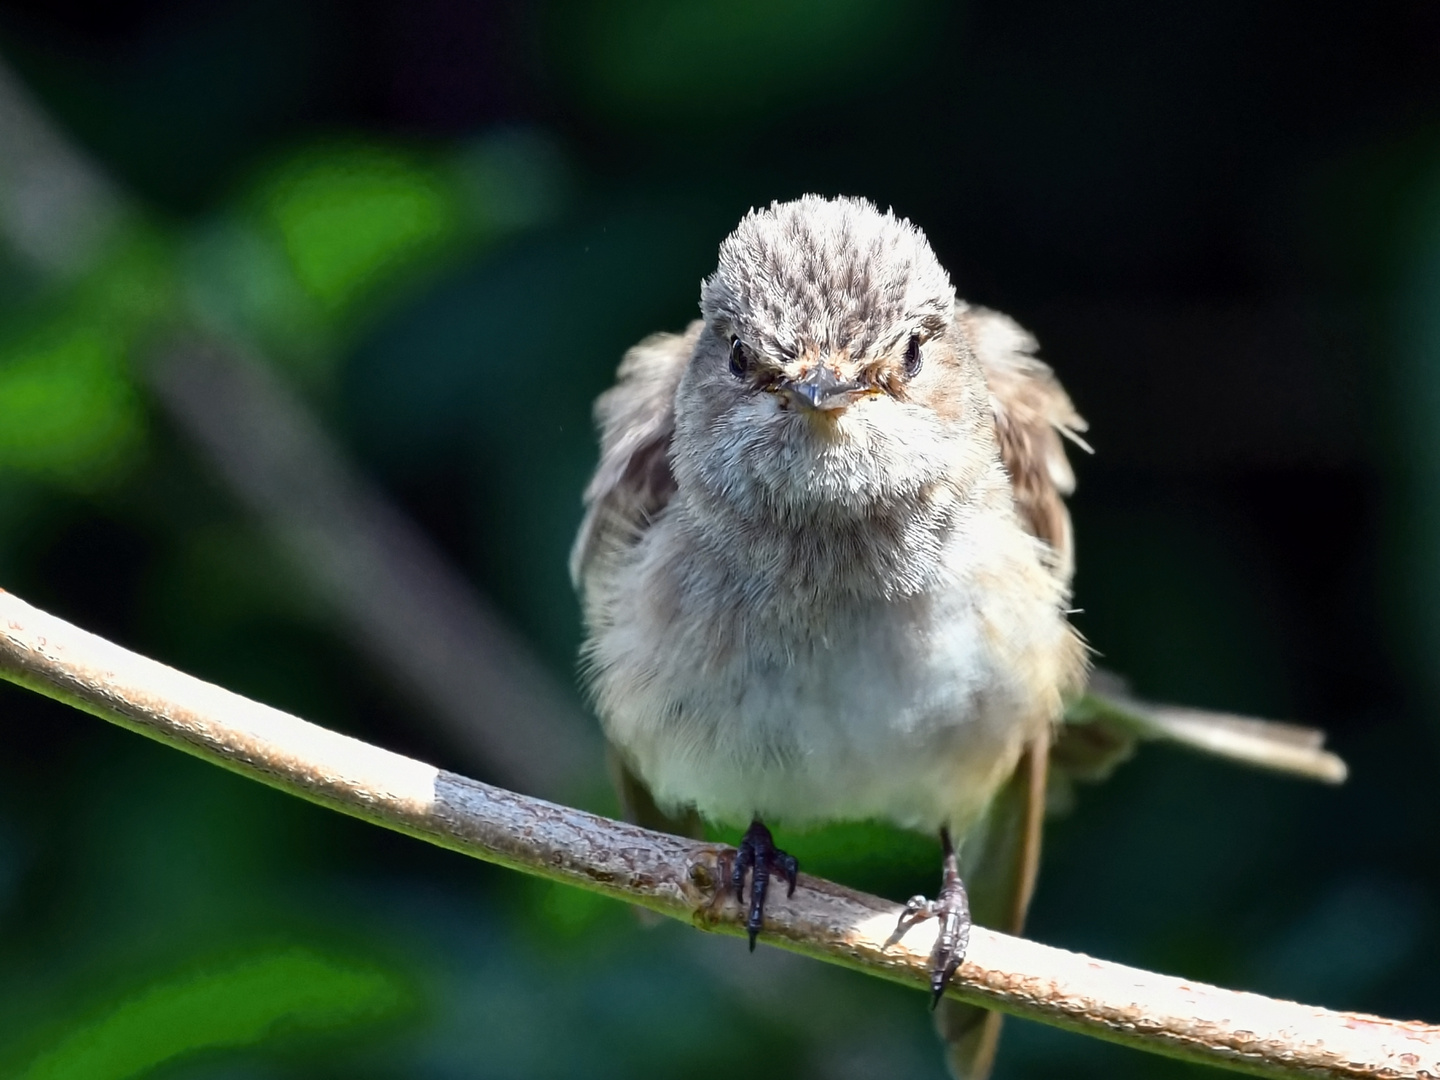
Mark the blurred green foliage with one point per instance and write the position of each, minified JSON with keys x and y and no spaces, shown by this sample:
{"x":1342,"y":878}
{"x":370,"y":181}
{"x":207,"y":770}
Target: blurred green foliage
{"x":247,"y":1001}
{"x":444,"y":224}
{"x":345,"y":217}
{"x":68,"y":410}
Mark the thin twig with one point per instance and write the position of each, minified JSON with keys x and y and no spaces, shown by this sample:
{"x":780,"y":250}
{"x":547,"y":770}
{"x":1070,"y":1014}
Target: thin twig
{"x":678,"y":878}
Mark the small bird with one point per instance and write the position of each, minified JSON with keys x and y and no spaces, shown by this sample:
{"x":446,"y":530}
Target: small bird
{"x":825,"y":569}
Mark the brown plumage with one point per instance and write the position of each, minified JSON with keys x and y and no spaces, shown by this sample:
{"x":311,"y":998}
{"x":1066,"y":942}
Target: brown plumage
{"x":1032,"y":416}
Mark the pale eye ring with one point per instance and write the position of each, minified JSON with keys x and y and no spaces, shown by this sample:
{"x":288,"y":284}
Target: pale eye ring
{"x":912,"y":357}
{"x":739,"y":358}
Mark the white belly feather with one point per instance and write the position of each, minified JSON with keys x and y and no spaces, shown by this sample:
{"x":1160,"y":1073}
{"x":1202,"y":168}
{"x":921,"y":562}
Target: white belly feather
{"x":912,"y":711}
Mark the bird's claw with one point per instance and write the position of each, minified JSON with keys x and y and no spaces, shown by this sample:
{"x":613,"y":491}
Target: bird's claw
{"x":952,"y":908}
{"x":758,"y":854}
{"x":917,"y":909}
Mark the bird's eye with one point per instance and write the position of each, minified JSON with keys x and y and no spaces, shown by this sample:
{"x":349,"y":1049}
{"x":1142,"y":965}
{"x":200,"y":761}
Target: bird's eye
{"x":912,"y":357}
{"x":739,"y":358}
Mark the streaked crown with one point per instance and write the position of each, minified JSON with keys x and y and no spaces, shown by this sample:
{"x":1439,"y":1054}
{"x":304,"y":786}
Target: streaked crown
{"x":829,"y":274}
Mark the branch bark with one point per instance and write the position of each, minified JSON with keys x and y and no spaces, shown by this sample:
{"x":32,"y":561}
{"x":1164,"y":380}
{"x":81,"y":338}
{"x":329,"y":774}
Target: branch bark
{"x":679,"y":878}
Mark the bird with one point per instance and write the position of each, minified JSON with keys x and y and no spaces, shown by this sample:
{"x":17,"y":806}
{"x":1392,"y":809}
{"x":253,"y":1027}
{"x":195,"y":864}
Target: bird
{"x":825,"y":569}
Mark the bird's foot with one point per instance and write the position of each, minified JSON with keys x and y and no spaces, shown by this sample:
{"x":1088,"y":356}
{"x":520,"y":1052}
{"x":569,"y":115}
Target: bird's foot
{"x":761,"y":857}
{"x":952,"y":908}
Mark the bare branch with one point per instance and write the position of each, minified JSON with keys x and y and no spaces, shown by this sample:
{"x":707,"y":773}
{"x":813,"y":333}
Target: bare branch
{"x":678,"y":878}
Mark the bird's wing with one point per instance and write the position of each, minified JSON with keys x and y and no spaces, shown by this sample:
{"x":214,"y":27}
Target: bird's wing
{"x":1033,"y":417}
{"x":636,"y":418}
{"x":632,"y":484}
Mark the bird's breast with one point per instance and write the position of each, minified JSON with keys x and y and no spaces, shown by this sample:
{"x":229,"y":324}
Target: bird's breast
{"x":779,"y":694}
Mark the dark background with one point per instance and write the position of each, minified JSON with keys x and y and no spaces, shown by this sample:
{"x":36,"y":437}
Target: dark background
{"x":443,"y":222}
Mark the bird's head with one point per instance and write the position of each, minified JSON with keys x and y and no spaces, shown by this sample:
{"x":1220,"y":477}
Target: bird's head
{"x":827,"y":377}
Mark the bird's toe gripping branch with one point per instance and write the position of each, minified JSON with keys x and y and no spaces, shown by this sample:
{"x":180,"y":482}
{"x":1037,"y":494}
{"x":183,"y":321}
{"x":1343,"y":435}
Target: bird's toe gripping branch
{"x":952,"y":908}
{"x":759,"y":855}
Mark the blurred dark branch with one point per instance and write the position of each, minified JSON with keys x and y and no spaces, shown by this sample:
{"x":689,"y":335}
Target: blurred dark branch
{"x":398,"y":599}
{"x":55,"y":208}
{"x":679,"y":878}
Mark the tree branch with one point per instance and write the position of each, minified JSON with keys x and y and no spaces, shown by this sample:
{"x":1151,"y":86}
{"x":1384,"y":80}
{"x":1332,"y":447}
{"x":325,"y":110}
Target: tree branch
{"x":678,"y":877}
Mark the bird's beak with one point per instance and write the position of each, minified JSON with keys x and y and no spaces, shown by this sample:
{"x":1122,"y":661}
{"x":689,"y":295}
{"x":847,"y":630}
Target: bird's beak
{"x":821,"y":388}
